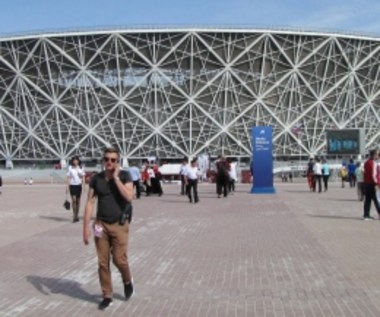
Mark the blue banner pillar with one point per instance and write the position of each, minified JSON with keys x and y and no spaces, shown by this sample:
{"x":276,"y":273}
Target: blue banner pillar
{"x":262,"y":161}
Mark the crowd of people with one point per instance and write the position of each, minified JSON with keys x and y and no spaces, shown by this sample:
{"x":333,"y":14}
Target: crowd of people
{"x":318,"y":171}
{"x":148,"y":178}
{"x":365,"y":177}
{"x":225,"y":177}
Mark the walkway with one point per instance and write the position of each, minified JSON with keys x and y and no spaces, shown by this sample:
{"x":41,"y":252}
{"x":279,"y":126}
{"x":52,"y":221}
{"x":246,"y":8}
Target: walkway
{"x":294,"y":253}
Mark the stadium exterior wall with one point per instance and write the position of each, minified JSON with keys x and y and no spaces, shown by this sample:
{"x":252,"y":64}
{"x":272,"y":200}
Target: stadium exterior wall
{"x":172,"y":93}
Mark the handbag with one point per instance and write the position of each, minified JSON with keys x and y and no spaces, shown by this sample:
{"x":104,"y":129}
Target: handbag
{"x":66,"y":205}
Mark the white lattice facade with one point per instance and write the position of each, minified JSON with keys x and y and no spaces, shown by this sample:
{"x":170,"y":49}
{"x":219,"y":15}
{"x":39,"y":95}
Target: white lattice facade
{"x":183,"y":92}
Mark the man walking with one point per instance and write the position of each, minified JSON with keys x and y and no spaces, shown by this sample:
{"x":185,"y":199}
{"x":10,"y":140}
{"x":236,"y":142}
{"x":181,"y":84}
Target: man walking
{"x":191,"y":180}
{"x":370,"y":182}
{"x":135,"y":174}
{"x":114,"y":190}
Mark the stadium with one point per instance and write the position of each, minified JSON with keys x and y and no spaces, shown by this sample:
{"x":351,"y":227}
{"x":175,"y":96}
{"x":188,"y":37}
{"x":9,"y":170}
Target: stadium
{"x":174,"y":92}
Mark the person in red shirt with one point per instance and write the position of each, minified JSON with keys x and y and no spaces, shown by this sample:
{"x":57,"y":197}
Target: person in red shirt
{"x":370,"y":183}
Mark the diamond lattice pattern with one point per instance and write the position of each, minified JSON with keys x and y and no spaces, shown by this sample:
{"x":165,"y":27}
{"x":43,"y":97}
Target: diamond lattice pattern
{"x":175,"y":94}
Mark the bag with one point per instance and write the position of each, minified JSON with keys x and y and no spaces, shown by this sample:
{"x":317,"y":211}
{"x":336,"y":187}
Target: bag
{"x":66,"y":205}
{"x":343,"y":173}
{"x":126,"y":215}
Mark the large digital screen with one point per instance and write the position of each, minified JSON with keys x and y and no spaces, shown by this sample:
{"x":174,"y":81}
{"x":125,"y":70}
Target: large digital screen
{"x":346,"y":141}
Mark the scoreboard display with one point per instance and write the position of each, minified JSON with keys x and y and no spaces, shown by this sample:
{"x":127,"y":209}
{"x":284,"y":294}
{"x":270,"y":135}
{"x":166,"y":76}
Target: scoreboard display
{"x":345,"y":142}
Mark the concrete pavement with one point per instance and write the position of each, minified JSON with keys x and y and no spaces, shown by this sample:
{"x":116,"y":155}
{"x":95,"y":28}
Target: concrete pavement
{"x":295,"y":253}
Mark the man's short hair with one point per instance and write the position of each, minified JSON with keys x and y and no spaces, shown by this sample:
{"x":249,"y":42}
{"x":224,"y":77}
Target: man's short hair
{"x":111,"y":150}
{"x":372,"y":152}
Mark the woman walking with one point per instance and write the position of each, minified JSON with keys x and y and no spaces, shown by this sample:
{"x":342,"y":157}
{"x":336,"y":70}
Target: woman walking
{"x":75,"y":179}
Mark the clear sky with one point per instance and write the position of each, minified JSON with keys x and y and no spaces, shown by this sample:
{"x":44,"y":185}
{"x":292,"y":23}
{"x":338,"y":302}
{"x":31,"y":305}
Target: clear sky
{"x":19,"y":16}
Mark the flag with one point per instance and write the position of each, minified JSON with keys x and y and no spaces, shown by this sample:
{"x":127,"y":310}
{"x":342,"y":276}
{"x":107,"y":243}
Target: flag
{"x":297,"y":128}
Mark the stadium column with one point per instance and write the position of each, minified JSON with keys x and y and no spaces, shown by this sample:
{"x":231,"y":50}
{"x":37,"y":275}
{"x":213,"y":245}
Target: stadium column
{"x":63,"y":163}
{"x":9,"y":164}
{"x":124,"y":162}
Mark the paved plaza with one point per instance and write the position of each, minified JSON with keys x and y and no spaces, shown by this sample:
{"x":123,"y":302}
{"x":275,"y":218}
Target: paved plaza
{"x":295,"y":253}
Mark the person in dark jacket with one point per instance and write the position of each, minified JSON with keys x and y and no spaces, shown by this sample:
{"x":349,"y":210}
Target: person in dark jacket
{"x":222,"y":177}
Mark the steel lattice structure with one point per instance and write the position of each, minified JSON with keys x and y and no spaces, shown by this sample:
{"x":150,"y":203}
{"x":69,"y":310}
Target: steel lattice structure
{"x":182,"y":92}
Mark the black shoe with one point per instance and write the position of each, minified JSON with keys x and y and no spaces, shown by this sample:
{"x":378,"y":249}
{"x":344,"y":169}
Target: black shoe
{"x":106,"y":302}
{"x":128,"y":290}
{"x":196,"y":201}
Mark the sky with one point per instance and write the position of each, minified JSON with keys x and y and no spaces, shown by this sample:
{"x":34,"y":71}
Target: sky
{"x":33,"y":16}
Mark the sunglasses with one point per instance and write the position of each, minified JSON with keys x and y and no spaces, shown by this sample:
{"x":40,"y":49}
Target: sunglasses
{"x":110,"y":159}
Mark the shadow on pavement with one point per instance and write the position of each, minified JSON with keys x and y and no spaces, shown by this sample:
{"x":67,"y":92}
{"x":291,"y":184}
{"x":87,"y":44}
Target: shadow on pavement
{"x":60,"y":219}
{"x":298,"y":191}
{"x":171,"y":201}
{"x":336,"y":217}
{"x":340,"y":199}
{"x":50,"y":285}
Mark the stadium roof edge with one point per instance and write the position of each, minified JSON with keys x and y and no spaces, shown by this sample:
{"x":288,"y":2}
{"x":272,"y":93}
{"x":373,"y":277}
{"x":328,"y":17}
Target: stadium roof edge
{"x":159,"y":29}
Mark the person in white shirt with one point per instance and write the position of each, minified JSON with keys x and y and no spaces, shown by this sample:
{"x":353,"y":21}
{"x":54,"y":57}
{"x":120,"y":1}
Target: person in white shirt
{"x":182,"y":173}
{"x":317,"y":169}
{"x":191,"y":179}
{"x":233,"y":177}
{"x":75,"y":179}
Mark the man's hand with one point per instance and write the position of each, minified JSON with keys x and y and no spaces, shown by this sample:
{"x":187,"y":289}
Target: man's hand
{"x":87,"y":216}
{"x":86,"y":234}
{"x":116,"y":171}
